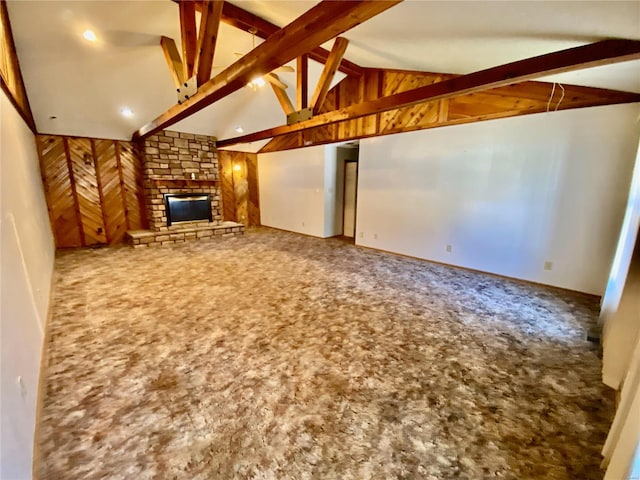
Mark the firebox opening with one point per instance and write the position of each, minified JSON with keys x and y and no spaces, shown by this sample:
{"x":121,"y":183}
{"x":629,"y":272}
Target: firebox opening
{"x":187,"y":207}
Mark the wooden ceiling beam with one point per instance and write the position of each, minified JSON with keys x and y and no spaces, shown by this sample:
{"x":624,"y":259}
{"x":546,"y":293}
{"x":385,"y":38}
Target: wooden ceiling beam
{"x":596,"y":54}
{"x":273,"y":79}
{"x":188,"y":36}
{"x":328,"y":72}
{"x":239,"y":18}
{"x":207,"y":38}
{"x":174,"y":62}
{"x":281,"y":94}
{"x":321,"y":23}
{"x":11,"y":81}
{"x":302,"y":81}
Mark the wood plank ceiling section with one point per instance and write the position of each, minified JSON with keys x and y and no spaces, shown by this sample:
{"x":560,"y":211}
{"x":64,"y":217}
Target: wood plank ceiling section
{"x":10,"y":75}
{"x":597,"y":54}
{"x":322,"y":22}
{"x":93,"y":189}
{"x":513,"y":100}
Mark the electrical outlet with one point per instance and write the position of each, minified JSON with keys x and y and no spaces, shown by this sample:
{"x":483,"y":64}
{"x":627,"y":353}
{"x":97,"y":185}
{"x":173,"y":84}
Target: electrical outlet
{"x":548,"y":265}
{"x":375,"y":236}
{"x":303,"y":224}
{"x":361,"y":234}
{"x":449,"y":248}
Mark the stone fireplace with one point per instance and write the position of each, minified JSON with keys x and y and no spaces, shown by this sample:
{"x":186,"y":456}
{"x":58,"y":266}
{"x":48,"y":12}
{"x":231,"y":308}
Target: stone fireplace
{"x":181,"y":166}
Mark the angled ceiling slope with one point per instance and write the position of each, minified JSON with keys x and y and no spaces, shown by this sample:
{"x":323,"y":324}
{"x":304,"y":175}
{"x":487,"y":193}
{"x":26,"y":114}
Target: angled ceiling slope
{"x":85,"y":85}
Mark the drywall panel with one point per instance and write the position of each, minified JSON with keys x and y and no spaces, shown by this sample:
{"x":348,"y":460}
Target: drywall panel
{"x":330,"y":191}
{"x":292,"y":190}
{"x":26,"y":254}
{"x":506,"y":196}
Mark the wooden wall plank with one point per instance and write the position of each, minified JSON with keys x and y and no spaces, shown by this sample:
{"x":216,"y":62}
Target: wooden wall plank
{"x":99,"y":182}
{"x":113,"y":206}
{"x":239,"y":186}
{"x":225,"y":165}
{"x":57,"y":182}
{"x":86,"y":188}
{"x":253,"y":205}
{"x":93,"y":188}
{"x":132,"y":178}
{"x":74,"y":193}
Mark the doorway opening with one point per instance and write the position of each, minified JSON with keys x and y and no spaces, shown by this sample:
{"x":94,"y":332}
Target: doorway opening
{"x":347,"y":188}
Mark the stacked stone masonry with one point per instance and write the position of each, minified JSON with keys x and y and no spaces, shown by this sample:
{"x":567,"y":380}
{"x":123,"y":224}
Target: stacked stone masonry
{"x":145,"y":238}
{"x":176,"y":162}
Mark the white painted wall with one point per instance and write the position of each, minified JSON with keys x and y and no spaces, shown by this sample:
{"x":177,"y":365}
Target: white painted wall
{"x":292,"y":190}
{"x":330,"y":192}
{"x":508,"y":195}
{"x":27,"y":253}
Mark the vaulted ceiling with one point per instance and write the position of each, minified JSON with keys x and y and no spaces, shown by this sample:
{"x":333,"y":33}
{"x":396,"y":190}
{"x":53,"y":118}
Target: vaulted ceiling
{"x":84,"y":85}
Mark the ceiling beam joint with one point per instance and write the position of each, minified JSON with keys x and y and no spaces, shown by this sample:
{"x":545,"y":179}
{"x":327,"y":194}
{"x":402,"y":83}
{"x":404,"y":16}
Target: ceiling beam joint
{"x":243,"y":20}
{"x":280,"y":92}
{"x":319,"y":24}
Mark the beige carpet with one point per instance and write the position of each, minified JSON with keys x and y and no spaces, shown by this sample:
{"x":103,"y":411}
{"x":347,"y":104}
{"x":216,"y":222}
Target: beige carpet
{"x":279,"y":356}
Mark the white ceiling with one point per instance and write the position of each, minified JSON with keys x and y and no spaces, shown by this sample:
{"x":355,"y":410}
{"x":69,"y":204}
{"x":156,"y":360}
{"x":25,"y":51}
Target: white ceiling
{"x":84,"y":85}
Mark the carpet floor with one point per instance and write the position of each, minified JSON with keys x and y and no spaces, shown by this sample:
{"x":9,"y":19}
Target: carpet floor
{"x":280,"y":356}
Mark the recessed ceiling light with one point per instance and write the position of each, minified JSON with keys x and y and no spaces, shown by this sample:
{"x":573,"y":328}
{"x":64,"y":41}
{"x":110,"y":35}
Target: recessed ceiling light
{"x":126,"y":112}
{"x":89,"y":36}
{"x":239,"y":129}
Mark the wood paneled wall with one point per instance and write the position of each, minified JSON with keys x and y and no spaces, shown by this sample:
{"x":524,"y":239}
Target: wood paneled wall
{"x":518,"y":99}
{"x":93,"y":188}
{"x":240,"y":195}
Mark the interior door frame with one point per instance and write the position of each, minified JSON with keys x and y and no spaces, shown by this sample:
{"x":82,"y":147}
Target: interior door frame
{"x":344,"y":197}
